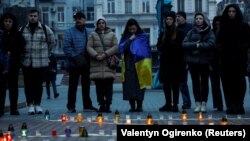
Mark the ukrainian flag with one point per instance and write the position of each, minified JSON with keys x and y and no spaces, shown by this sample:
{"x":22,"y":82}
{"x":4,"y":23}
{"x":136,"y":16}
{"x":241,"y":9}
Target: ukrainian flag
{"x":143,"y":60}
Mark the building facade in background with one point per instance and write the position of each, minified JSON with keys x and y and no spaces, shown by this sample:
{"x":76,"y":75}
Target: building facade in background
{"x":58,"y":13}
{"x":243,"y":4}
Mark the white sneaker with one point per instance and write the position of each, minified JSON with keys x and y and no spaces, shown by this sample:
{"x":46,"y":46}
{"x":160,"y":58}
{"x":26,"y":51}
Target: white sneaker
{"x":38,"y":109}
{"x":31,"y":110}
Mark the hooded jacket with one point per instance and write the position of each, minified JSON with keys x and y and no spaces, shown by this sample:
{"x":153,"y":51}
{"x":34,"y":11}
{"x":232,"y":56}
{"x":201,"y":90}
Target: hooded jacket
{"x":233,"y":40}
{"x":206,"y":39}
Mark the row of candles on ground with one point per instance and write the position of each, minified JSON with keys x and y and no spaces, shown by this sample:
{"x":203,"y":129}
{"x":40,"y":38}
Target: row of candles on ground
{"x":24,"y":131}
{"x":82,"y":130}
{"x":149,"y":119}
{"x":7,"y":136}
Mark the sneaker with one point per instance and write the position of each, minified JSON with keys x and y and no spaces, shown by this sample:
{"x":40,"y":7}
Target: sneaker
{"x":31,"y":110}
{"x":38,"y":109}
{"x":71,"y":110}
{"x":90,"y":109}
{"x":56,"y":95}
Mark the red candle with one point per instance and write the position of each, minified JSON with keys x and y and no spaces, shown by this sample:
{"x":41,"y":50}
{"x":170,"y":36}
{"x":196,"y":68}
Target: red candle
{"x":5,"y":136}
{"x":53,"y":133}
{"x":63,"y":117}
{"x":9,"y":136}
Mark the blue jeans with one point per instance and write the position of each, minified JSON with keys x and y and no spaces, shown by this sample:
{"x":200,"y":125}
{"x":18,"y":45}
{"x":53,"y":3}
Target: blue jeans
{"x":185,"y":92}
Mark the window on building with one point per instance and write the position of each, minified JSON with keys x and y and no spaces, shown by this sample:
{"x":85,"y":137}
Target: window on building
{"x":60,"y":38}
{"x":145,"y":6}
{"x":90,"y":13}
{"x":180,"y":5}
{"x":111,"y":6}
{"x":60,"y":14}
{"x":45,"y":15}
{"x":198,"y":5}
{"x":128,"y":6}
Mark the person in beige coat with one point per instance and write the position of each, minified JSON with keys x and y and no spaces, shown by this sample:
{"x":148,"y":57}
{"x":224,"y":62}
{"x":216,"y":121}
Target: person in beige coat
{"x":101,"y":44}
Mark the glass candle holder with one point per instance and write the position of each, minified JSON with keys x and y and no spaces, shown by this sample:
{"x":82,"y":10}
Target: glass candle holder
{"x":200,"y":116}
{"x":149,"y":120}
{"x":63,"y":117}
{"x":79,"y":118}
{"x":67,"y":131}
{"x":184,"y":115}
{"x":99,"y":118}
{"x":53,"y":133}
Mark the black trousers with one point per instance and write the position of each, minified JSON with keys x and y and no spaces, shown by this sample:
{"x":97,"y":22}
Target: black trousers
{"x":171,"y":92}
{"x":216,"y":90}
{"x":3,"y":82}
{"x":199,"y":75}
{"x":33,"y":84}
{"x":104,"y":91}
{"x":234,"y":86}
{"x":74,"y":76}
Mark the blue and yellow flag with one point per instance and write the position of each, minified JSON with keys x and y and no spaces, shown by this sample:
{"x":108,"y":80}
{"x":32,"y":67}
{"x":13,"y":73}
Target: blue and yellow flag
{"x":143,"y":60}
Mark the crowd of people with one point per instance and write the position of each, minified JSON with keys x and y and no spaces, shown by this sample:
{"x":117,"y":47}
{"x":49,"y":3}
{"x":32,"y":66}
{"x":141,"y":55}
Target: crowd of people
{"x":217,"y":51}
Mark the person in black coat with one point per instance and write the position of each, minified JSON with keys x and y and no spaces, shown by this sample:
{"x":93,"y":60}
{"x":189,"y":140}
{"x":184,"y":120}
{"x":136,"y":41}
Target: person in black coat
{"x":215,"y":72}
{"x":50,"y":76}
{"x":185,"y":26}
{"x":13,"y":44}
{"x":172,"y":68}
{"x":233,"y":43}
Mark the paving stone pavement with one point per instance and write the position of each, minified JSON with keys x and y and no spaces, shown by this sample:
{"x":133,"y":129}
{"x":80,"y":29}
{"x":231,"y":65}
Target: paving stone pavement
{"x":106,"y":131}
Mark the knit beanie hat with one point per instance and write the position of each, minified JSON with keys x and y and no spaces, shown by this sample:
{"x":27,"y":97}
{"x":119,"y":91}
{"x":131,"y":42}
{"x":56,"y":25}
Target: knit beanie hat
{"x":181,"y":13}
{"x":171,"y":14}
{"x":100,"y":18}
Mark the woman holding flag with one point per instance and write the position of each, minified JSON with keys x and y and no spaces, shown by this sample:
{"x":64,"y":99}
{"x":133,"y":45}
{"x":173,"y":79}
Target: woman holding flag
{"x":136,"y":64}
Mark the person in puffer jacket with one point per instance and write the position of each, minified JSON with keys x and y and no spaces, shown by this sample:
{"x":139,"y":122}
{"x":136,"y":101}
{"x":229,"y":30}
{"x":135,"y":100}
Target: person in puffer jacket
{"x":199,"y":44}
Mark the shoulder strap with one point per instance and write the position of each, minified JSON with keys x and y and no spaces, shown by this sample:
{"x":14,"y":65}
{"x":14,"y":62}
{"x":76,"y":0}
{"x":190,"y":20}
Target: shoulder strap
{"x":21,"y":29}
{"x":45,"y":32}
{"x":101,"y":40}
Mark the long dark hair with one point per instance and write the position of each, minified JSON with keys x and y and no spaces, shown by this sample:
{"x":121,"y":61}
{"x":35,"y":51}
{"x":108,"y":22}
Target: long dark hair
{"x":238,"y":17}
{"x":131,"y":22}
{"x":9,"y":16}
